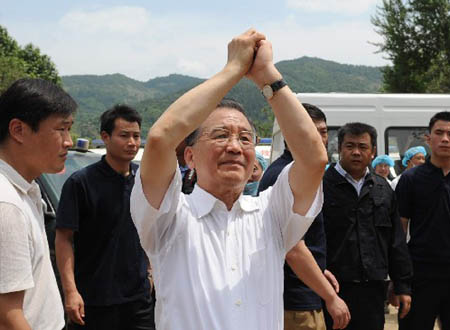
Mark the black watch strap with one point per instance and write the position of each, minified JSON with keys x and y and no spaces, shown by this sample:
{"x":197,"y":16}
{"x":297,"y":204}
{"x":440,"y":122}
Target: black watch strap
{"x":277,"y":85}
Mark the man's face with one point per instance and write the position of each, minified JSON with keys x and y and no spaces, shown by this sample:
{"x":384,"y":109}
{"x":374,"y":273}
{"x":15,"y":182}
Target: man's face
{"x":439,"y":139}
{"x":382,"y":169}
{"x":356,"y":153}
{"x":222,"y":164}
{"x":416,"y":160}
{"x":124,"y":141}
{"x":48,"y":147}
{"x":323,"y":131}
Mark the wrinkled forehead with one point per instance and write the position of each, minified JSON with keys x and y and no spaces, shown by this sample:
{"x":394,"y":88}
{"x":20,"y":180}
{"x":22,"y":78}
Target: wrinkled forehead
{"x":231,"y":119}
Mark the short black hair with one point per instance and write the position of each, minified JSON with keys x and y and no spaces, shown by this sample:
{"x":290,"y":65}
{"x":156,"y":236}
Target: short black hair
{"x":108,"y":118}
{"x":314,"y":112}
{"x":443,"y":115}
{"x":32,"y":101}
{"x":357,"y":129}
{"x":225,"y":103}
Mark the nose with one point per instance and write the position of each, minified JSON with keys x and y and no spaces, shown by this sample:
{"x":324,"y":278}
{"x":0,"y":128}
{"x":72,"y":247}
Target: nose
{"x":67,"y":142}
{"x":233,"y":144}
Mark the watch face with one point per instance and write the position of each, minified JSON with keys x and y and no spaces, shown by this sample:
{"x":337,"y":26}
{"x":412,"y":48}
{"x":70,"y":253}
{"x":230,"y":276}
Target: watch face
{"x":267,"y":92}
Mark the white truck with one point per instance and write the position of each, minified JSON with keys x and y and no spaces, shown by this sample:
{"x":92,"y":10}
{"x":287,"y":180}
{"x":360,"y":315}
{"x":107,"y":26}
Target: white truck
{"x":401,"y":120}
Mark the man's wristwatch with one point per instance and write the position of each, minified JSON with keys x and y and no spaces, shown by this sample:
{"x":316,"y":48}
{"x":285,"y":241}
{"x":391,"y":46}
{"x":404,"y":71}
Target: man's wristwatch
{"x":269,"y":90}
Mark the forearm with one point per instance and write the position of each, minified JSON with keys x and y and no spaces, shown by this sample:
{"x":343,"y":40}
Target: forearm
{"x":297,"y":125}
{"x":14,"y":321}
{"x":305,"y":267}
{"x":11,"y":311}
{"x":65,"y":262}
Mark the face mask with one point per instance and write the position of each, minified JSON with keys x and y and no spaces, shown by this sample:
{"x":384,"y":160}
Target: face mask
{"x":251,"y":188}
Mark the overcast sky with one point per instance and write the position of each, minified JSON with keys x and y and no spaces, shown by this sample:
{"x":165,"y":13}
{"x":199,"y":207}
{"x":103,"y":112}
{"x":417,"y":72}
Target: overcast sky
{"x":145,"y":39}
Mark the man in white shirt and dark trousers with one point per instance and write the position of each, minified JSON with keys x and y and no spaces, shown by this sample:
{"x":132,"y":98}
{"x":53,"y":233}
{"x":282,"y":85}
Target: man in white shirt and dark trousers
{"x":218,"y":256}
{"x":35,"y":122}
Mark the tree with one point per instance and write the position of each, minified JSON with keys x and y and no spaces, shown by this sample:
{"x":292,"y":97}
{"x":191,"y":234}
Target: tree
{"x":416,"y":37}
{"x":17,"y":62}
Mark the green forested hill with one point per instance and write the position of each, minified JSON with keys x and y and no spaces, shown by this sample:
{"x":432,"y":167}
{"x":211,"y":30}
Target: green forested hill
{"x":95,"y":94}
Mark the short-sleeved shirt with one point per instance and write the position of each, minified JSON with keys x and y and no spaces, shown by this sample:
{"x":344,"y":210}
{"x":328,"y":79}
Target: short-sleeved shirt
{"x":24,"y":254}
{"x":110,"y":264}
{"x":423,"y":194}
{"x":297,"y":296}
{"x":219,"y":269}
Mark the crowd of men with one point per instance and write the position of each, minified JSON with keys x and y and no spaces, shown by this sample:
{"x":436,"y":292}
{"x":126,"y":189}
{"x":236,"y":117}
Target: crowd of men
{"x":312,"y":246}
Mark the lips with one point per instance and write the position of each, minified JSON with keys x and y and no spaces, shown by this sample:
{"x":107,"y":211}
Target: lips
{"x":232,"y":162}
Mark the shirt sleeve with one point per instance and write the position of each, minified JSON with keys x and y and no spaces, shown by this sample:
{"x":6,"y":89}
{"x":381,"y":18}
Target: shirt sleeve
{"x":16,"y":272}
{"x":68,"y":213}
{"x":156,"y":227}
{"x":403,"y":193}
{"x":280,"y":201}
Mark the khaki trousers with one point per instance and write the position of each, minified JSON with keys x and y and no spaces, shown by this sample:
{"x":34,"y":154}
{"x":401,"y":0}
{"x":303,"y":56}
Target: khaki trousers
{"x":304,"y":320}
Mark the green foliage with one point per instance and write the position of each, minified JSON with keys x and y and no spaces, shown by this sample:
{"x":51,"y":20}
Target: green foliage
{"x":17,"y":62}
{"x":95,"y":94}
{"x":416,"y":37}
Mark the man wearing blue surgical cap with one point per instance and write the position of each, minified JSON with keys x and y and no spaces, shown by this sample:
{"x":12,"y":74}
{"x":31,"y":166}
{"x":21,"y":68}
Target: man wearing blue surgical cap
{"x":413,"y":157}
{"x":382,"y":165}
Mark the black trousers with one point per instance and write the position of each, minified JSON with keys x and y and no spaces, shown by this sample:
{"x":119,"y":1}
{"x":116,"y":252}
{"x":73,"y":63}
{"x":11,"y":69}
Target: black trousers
{"x":365,"y":301}
{"x":136,"y":315}
{"x":430,"y":299}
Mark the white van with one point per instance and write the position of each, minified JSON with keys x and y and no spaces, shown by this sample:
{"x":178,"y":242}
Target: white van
{"x":401,"y":120}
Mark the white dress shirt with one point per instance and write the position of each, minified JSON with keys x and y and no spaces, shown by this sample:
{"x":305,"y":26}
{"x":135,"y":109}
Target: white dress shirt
{"x":24,"y":254}
{"x":219,"y":269}
{"x":358,"y":184}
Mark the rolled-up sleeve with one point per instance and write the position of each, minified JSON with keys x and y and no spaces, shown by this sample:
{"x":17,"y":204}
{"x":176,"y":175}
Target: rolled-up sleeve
{"x":291,"y":226}
{"x":155,"y":227}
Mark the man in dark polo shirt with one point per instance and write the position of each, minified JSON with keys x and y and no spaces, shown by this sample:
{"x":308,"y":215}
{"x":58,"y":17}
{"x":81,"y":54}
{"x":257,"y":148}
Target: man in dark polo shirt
{"x":423,"y":194}
{"x":365,"y":240}
{"x":103,"y":267}
{"x":302,"y":306}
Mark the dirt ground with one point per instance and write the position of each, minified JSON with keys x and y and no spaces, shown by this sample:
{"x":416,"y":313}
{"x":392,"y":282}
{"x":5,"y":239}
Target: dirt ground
{"x":391,"y":320}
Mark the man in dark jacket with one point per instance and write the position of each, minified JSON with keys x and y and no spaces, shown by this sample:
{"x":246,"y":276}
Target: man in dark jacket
{"x":365,"y":240}
{"x":302,"y":306}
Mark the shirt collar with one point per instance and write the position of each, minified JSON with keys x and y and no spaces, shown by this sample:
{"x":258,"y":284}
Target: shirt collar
{"x":109,"y":171}
{"x":344,"y":173}
{"x":204,"y":202}
{"x":16,"y":179}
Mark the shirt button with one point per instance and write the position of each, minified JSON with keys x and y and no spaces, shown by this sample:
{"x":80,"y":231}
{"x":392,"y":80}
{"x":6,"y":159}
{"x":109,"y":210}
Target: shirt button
{"x":228,"y":233}
{"x":233,"y":268}
{"x":238,"y":302}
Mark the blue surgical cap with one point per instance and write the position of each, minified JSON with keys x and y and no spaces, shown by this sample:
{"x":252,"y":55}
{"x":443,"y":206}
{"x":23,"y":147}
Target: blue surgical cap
{"x":411,"y":152}
{"x":262,"y":161}
{"x":383,"y":159}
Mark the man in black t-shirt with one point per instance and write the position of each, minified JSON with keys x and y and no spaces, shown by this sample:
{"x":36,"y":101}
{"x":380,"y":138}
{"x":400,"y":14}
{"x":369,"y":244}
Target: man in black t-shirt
{"x":423,"y":194}
{"x":102,"y":264}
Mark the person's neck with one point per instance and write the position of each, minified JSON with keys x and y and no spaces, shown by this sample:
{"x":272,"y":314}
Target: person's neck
{"x":19,"y":163}
{"x":120,"y":166}
{"x":228,"y":195}
{"x":441,"y":162}
{"x":355,"y":175}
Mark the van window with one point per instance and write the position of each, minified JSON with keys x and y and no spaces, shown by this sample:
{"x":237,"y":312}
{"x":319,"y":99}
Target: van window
{"x":399,"y":139}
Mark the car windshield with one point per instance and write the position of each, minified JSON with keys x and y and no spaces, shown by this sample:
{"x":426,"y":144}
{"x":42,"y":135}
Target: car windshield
{"x":53,"y":182}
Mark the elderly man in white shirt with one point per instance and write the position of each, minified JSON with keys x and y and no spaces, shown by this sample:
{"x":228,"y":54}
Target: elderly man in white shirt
{"x":218,"y":256}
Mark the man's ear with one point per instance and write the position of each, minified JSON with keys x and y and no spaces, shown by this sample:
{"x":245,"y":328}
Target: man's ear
{"x":374,"y":152}
{"x":189,"y":157}
{"x":105,"y":137}
{"x":18,"y":130}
